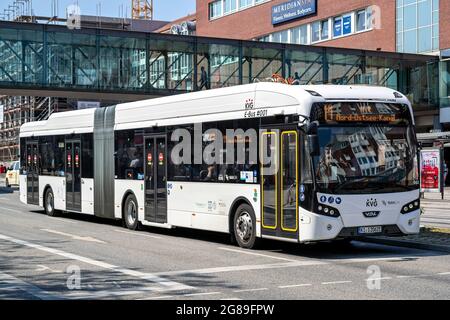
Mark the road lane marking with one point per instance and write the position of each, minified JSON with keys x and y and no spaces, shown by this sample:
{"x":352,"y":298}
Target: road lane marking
{"x":81,"y":294}
{"x":9,"y":282}
{"x":200,"y":294}
{"x":416,"y":276}
{"x":256,"y":254}
{"x":138,"y":234}
{"x":165,"y":283}
{"x":241,"y":268}
{"x":41,"y":268}
{"x":443,"y":273}
{"x":156,"y":298}
{"x":251,"y":290}
{"x":377,"y":279}
{"x":336,"y":282}
{"x":295,"y":285}
{"x":73,"y":236}
{"x":395,"y":258}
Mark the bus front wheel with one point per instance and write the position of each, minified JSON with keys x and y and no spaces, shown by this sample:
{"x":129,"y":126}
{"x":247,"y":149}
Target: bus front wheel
{"x":130,"y":213}
{"x":245,"y":227}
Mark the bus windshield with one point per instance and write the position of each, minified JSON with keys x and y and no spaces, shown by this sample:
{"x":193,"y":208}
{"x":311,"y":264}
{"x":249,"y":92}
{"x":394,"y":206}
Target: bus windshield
{"x":366,"y":159}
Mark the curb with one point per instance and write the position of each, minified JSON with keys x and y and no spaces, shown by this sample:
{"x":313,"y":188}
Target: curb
{"x":407,"y":244}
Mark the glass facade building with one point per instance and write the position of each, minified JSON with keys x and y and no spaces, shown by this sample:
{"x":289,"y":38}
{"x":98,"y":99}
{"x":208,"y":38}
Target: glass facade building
{"x":417,"y":25}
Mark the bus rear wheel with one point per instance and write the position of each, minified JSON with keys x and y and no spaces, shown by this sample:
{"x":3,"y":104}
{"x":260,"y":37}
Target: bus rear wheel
{"x":245,"y":227}
{"x":49,"y":203}
{"x":130,"y":213}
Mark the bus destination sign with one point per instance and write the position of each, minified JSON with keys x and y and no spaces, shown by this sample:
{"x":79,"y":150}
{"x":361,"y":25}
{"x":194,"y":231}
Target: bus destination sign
{"x":361,"y":112}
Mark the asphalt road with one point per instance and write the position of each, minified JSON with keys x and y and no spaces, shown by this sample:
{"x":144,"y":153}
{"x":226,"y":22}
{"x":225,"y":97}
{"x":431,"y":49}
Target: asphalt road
{"x":80,"y":257}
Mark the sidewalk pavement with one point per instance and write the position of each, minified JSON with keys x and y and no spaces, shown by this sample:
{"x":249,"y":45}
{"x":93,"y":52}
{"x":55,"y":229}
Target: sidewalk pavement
{"x":436,"y":212}
{"x":428,"y":239}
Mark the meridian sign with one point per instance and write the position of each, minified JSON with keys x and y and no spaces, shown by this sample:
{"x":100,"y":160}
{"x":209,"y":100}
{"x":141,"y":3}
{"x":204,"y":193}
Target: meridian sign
{"x":293,"y":9}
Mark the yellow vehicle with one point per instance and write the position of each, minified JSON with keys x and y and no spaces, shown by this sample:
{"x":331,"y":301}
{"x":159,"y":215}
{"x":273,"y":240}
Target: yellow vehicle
{"x":12,"y":175}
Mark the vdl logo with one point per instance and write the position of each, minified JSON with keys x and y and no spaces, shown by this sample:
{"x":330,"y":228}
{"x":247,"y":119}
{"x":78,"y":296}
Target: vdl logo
{"x":371,"y":202}
{"x":371,"y":214}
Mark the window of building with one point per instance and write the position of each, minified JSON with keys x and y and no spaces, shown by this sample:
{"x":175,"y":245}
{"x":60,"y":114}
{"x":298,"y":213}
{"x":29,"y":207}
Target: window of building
{"x":337,"y":27}
{"x":315,"y":31}
{"x":299,"y":35}
{"x":324,"y":30}
{"x":363,"y":20}
{"x":347,"y":24}
{"x":220,"y":8}
{"x":215,"y":9}
{"x":229,"y":6}
{"x":245,"y":3}
{"x":282,"y":36}
{"x":265,"y":38}
{"x":319,"y":31}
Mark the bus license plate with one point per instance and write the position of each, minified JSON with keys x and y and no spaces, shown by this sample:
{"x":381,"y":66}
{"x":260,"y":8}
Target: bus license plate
{"x":370,"y":230}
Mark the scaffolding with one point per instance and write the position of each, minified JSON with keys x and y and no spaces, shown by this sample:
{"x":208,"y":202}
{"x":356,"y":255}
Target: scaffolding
{"x":18,"y":110}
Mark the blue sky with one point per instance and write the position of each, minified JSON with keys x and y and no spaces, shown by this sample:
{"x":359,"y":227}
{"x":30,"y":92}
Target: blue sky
{"x":164,"y":9}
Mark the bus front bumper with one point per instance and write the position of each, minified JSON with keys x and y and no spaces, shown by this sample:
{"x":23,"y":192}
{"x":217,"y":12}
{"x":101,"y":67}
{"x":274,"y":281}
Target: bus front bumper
{"x":315,"y":227}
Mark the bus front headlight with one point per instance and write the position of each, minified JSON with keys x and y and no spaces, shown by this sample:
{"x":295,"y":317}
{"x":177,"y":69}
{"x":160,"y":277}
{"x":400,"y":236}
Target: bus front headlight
{"x":411,"y":206}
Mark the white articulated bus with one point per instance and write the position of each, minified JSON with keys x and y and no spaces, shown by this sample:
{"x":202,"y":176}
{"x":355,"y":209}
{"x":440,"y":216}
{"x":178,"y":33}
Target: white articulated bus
{"x":316,"y":162}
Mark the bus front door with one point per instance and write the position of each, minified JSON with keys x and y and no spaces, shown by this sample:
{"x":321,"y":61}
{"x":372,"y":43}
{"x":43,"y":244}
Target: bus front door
{"x":32,"y":173}
{"x":155,"y":179}
{"x":73,"y":175}
{"x":279,"y":183}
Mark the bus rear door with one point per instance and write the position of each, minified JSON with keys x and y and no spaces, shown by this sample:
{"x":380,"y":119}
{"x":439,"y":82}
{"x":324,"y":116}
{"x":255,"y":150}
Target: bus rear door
{"x":155,"y":179}
{"x":32,"y":172}
{"x":73,"y":175}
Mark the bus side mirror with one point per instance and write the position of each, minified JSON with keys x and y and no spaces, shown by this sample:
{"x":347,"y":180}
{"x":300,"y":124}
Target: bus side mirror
{"x":313,"y":139}
{"x":313,"y":143}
